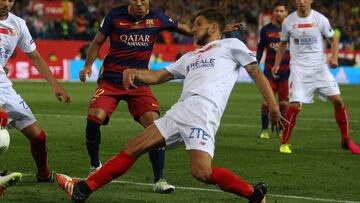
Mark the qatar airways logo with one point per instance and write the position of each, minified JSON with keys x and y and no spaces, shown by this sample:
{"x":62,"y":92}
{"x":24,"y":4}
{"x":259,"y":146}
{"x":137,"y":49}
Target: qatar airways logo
{"x":136,"y":40}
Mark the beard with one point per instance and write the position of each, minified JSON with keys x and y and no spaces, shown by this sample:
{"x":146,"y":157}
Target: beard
{"x":203,"y":39}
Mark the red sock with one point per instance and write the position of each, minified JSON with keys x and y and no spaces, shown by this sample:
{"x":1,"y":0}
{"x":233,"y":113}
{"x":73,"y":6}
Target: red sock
{"x":342,"y":121}
{"x":39,"y":153}
{"x":112,"y":169}
{"x":230,"y":182}
{"x":289,"y":124}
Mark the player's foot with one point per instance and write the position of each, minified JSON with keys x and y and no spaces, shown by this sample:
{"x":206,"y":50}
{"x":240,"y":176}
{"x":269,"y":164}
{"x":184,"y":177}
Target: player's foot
{"x":265,"y":134}
{"x":8,"y":179}
{"x":49,"y":179}
{"x":285,"y":148}
{"x":279,"y":134}
{"x":259,"y":194}
{"x":71,"y":187}
{"x":350,"y":145}
{"x":161,"y":186}
{"x":93,"y":169}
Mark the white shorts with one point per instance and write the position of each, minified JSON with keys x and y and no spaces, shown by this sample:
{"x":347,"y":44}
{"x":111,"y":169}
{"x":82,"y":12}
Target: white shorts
{"x":305,"y":83}
{"x":20,"y":115}
{"x":193,"y":121}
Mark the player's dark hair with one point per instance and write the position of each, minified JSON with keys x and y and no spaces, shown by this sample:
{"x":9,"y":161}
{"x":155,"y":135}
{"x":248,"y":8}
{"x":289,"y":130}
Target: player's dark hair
{"x":212,"y":15}
{"x":281,"y":3}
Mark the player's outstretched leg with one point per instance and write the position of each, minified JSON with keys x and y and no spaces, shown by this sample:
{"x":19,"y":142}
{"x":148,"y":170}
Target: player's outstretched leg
{"x":8,"y":179}
{"x":265,"y":134}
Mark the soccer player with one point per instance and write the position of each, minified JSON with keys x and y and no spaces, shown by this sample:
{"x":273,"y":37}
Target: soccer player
{"x":8,"y":179}
{"x":13,"y":32}
{"x":304,"y":30}
{"x":132,"y":30}
{"x":269,"y":39}
{"x":209,"y":75}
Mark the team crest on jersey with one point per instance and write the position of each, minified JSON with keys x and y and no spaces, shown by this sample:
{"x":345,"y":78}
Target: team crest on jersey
{"x":150,"y":23}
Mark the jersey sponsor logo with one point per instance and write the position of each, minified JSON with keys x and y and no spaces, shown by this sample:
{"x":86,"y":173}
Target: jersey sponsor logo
{"x":201,"y":64}
{"x":306,"y":40}
{"x":200,"y":134}
{"x":5,"y":53}
{"x":135,"y":40}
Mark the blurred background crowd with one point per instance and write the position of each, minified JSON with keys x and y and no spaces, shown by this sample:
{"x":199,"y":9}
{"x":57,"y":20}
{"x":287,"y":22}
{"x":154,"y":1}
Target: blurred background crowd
{"x":344,"y":15}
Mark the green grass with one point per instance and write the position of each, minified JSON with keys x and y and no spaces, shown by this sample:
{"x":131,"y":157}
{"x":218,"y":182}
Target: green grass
{"x":318,"y":168}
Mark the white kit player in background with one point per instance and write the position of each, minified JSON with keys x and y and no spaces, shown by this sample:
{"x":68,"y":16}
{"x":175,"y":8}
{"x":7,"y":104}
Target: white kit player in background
{"x":209,"y":75}
{"x":304,"y":29}
{"x":14,"y":32}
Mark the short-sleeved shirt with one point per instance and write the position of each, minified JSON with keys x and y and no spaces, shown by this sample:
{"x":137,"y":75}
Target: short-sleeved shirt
{"x":13,"y":32}
{"x":212,"y":70}
{"x":131,"y":40}
{"x":306,"y":38}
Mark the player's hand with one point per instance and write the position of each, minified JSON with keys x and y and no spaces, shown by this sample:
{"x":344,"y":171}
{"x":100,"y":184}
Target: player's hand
{"x":333,"y":63}
{"x":232,"y":27}
{"x":274,"y":71}
{"x":129,"y":79}
{"x":275,"y":119}
{"x":61,"y":95}
{"x":86,"y":71}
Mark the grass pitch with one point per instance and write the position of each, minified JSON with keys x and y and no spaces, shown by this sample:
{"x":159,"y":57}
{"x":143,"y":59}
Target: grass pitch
{"x":317,"y":171}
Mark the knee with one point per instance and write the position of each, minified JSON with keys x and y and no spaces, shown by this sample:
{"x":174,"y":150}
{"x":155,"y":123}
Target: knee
{"x":201,"y":172}
{"x":338,"y":103}
{"x":148,"y":118}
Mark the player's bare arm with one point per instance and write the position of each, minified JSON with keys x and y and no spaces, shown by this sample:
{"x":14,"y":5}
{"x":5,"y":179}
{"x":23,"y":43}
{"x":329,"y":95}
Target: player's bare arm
{"x":333,"y":61}
{"x":91,"y":55}
{"x":265,"y":90}
{"x":279,"y":55}
{"x":145,"y":76}
{"x":44,"y":71}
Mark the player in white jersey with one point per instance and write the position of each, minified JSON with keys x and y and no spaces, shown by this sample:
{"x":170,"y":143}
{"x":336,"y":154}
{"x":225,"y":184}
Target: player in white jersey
{"x":209,"y":75}
{"x":14,"y":32}
{"x":304,"y":29}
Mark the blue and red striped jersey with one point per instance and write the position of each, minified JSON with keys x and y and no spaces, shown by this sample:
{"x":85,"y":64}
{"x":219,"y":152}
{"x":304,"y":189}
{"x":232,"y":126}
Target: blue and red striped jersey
{"x":131,"y":40}
{"x":270,"y":39}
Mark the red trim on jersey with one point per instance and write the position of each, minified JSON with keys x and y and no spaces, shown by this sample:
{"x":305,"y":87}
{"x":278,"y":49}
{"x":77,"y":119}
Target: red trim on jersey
{"x":273,"y":34}
{"x":4,"y":31}
{"x":120,"y":68}
{"x":305,"y":25}
{"x":129,"y":54}
{"x":144,"y":23}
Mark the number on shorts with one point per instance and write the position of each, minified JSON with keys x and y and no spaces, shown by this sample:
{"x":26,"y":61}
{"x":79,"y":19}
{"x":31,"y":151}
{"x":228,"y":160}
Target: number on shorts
{"x":99,"y":92}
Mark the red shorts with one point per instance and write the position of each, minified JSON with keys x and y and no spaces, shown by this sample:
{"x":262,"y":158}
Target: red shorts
{"x":140,"y":100}
{"x":281,"y":88}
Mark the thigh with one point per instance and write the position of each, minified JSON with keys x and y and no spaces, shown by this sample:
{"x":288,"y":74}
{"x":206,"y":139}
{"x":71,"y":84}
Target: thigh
{"x":169,"y":130}
{"x":20,"y":114}
{"x":141,"y":101}
{"x":327,"y":85}
{"x":300,"y":90}
{"x":105,"y":97}
{"x":283,"y":90}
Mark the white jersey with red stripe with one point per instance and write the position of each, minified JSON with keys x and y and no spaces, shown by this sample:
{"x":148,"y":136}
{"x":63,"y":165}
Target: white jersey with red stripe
{"x":305,"y":35}
{"x":13,"y":32}
{"x":212,"y":70}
